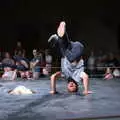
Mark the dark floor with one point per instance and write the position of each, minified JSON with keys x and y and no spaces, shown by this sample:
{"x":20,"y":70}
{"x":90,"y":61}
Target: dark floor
{"x":103,"y":103}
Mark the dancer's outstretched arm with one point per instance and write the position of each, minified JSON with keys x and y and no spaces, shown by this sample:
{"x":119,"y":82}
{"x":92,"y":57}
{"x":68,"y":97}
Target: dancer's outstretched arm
{"x":53,"y":79}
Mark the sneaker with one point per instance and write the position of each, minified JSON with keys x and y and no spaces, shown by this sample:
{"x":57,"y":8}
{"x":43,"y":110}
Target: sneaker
{"x":53,"y":40}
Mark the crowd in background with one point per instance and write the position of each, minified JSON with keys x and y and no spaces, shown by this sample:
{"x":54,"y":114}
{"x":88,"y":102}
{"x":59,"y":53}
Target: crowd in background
{"x":103,"y":64}
{"x":18,"y":65}
{"x":42,"y":64}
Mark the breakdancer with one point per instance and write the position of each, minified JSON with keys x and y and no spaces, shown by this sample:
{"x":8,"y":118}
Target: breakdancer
{"x":72,"y":63}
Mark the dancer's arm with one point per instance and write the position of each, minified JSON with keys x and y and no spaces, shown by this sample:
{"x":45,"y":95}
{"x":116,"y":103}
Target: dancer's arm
{"x":53,"y":81}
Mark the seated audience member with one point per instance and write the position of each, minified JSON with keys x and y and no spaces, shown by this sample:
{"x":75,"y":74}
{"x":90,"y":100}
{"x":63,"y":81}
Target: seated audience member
{"x":9,"y":74}
{"x":22,"y":66}
{"x":7,"y":60}
{"x":45,"y":71}
{"x":26,"y":75}
{"x":108,"y":74}
{"x":48,"y":61}
{"x":116,"y":73}
{"x":35,"y":65}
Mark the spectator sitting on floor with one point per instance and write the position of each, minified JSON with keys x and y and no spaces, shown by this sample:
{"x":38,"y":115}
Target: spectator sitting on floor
{"x":9,"y":74}
{"x":26,"y":75}
{"x":48,"y":61}
{"x":23,"y":67}
{"x":8,"y":59}
{"x":116,"y":73}
{"x":35,"y":64}
{"x":45,"y":71}
{"x":108,"y":74}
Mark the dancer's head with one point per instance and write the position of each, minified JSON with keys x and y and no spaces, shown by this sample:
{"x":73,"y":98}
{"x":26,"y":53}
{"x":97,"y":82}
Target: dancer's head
{"x":72,"y":86}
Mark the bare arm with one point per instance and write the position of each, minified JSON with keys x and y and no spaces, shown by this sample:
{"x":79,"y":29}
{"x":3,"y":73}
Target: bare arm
{"x":33,"y":64}
{"x":24,"y":63}
{"x":53,"y":81}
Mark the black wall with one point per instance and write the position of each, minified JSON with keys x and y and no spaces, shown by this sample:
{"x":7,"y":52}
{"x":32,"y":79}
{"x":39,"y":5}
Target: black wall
{"x":35,"y":21}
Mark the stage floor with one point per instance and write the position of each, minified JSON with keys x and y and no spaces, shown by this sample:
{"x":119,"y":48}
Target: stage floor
{"x":101,"y":105}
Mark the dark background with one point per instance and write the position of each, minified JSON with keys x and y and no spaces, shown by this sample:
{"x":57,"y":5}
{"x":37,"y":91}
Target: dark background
{"x":96,"y":23}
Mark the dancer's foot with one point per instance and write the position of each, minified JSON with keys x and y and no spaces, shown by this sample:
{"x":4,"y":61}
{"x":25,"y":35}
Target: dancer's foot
{"x":61,"y":29}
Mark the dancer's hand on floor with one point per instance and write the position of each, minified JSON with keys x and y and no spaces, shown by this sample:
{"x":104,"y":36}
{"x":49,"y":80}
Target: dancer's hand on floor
{"x":53,"y":92}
